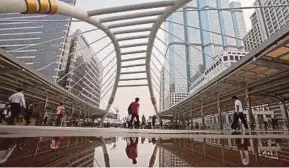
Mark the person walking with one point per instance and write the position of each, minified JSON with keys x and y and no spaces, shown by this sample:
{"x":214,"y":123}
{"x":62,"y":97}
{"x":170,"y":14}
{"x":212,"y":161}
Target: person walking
{"x":59,"y":114}
{"x":28,"y":113}
{"x":134,"y":112}
{"x":4,"y":113}
{"x":17,"y":102}
{"x":238,"y":114}
{"x":154,"y":121}
{"x":143,"y":121}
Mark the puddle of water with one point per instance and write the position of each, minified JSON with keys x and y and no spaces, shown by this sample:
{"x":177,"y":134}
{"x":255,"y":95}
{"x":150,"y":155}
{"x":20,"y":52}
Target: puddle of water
{"x":143,"y":152}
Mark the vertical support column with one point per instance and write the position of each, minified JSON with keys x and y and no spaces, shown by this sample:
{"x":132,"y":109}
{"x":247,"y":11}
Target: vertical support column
{"x":220,"y":113}
{"x":248,"y":102}
{"x":192,"y":123}
{"x":72,"y":109}
{"x":286,"y":113}
{"x":203,"y":115}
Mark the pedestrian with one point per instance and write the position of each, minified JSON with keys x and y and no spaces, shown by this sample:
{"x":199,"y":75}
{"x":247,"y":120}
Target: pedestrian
{"x":17,"y":102}
{"x":265,"y":123}
{"x":238,"y":114}
{"x":59,"y":114}
{"x":134,"y":112}
{"x":46,"y":115}
{"x":143,"y":121}
{"x":28,"y":113}
{"x":154,"y":121}
{"x":4,"y":113}
{"x":275,"y":123}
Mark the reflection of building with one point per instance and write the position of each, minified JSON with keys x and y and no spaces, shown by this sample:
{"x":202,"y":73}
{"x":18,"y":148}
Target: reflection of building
{"x":15,"y":35}
{"x":215,"y":152}
{"x":36,"y":152}
{"x":168,"y":159}
{"x":82,"y":71}
{"x":266,"y":22}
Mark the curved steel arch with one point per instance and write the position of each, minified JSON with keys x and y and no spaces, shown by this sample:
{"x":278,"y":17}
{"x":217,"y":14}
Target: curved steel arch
{"x":58,"y":7}
{"x":153,"y":33}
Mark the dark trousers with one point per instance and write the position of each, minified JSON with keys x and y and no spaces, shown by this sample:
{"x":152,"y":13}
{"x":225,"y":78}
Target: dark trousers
{"x":132,"y":118}
{"x":2,"y":118}
{"x":58,"y":120}
{"x":15,"y":111}
{"x":236,"y":120}
{"x":27,"y":119}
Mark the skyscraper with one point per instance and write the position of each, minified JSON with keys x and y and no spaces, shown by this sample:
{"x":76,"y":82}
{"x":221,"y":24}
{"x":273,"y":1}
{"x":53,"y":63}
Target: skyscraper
{"x":16,"y":35}
{"x":189,"y":58}
{"x":266,"y":22}
{"x":80,"y":71}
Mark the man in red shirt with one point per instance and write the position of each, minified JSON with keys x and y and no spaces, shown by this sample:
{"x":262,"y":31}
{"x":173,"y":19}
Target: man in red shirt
{"x":134,"y":111}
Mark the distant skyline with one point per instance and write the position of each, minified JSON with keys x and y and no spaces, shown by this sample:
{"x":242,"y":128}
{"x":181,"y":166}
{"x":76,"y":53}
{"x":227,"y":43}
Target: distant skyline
{"x":125,"y":95}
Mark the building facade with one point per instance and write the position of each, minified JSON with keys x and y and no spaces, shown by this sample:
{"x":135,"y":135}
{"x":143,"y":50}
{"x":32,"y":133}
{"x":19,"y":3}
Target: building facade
{"x":174,"y":98}
{"x":188,"y":59}
{"x":81,"y":70}
{"x":17,"y":35}
{"x":203,"y":44}
{"x":221,"y":63}
{"x":266,"y":22}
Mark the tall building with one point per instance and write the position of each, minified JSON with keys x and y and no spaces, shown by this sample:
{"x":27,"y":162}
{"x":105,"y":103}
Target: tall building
{"x":266,"y":22}
{"x":188,"y":62}
{"x":80,"y":71}
{"x":16,"y":35}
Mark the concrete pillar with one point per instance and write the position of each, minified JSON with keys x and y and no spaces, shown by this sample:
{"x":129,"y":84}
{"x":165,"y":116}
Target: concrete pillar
{"x":220,"y":112}
{"x":248,"y":102}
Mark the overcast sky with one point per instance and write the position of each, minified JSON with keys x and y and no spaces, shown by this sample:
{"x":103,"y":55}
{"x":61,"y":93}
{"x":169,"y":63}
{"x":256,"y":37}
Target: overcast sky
{"x":125,"y":95}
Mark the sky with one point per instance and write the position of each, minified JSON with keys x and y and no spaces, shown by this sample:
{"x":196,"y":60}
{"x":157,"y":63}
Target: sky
{"x":125,"y":96}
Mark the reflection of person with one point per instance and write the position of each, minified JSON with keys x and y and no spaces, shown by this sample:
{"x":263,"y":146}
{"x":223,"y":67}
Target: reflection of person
{"x":132,"y":150}
{"x":55,"y":142}
{"x":243,"y":147}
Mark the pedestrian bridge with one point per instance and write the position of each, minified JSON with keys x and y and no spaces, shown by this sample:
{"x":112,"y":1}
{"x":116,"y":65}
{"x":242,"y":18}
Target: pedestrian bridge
{"x":259,"y":78}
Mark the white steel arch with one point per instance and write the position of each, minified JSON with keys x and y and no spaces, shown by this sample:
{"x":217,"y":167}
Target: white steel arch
{"x":106,"y":25}
{"x":59,"y":7}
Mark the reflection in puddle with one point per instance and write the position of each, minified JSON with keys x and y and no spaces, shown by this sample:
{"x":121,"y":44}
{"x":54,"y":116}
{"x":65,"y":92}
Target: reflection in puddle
{"x":142,"y":152}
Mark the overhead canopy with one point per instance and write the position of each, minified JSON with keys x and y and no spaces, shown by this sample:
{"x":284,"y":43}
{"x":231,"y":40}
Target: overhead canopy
{"x":265,"y":72}
{"x":37,"y":88}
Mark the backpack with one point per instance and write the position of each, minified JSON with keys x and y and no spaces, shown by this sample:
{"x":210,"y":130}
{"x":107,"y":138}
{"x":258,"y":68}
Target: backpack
{"x":129,"y":110}
{"x":61,"y":111}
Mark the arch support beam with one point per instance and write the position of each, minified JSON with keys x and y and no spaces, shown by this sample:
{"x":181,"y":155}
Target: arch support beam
{"x":168,"y":11}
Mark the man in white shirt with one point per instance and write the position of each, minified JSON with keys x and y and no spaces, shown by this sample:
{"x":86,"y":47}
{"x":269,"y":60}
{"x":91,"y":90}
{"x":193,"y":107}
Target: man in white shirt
{"x":17,"y":102}
{"x":238,"y":113}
